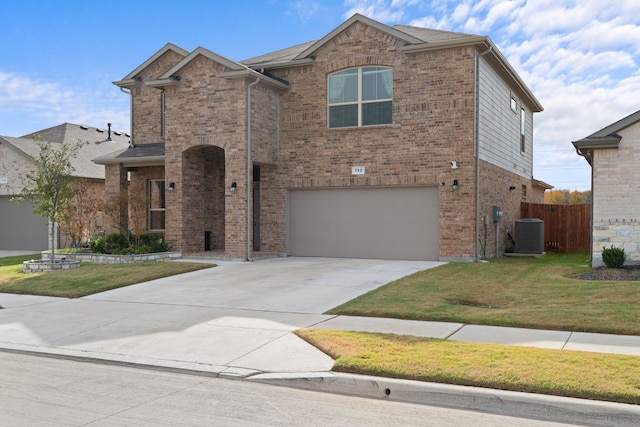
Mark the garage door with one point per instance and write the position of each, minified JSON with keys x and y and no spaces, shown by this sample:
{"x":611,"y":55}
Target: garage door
{"x":20,"y":229}
{"x":382,"y":223}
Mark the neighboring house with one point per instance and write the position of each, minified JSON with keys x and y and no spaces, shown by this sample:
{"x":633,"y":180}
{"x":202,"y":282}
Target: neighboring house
{"x":20,"y":228}
{"x":372,"y":142}
{"x":614,"y":156}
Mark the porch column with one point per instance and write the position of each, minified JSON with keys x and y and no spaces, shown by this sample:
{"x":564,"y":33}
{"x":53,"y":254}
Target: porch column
{"x":117,"y":191}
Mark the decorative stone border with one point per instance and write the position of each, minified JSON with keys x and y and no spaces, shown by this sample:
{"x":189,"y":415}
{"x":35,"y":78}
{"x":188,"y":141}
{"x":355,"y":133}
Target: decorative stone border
{"x":38,"y":266}
{"x":115,"y":259}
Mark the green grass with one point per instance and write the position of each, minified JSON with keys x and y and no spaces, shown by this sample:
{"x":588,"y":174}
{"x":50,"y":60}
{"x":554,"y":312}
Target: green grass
{"x":519,"y":292}
{"x":89,"y":279}
{"x":596,"y":376}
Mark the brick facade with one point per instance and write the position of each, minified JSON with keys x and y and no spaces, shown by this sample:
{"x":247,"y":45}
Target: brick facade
{"x":212,"y":140}
{"x":615,"y":200}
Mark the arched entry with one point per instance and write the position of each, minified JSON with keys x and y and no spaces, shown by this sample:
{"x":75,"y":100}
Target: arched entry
{"x":203,"y":202}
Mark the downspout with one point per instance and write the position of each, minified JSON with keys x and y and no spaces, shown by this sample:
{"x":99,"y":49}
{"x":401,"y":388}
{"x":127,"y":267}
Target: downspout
{"x":249,"y":170}
{"x":128,"y":92}
{"x":476,"y":141}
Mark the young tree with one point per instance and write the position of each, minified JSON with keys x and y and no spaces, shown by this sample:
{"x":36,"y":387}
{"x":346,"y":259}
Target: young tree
{"x":82,"y":211}
{"x":51,"y":186}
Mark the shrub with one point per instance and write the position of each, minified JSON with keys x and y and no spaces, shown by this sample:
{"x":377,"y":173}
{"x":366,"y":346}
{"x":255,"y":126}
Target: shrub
{"x":117,"y":244}
{"x":152,"y":243}
{"x":613,"y":257}
{"x":97,"y":245}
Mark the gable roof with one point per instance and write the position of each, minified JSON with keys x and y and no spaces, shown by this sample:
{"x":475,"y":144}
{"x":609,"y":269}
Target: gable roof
{"x":98,"y":145}
{"x":416,"y":39}
{"x":130,"y":79}
{"x":605,"y":138}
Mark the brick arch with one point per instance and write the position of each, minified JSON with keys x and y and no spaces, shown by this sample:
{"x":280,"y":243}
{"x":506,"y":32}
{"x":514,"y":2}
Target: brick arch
{"x":203,"y":201}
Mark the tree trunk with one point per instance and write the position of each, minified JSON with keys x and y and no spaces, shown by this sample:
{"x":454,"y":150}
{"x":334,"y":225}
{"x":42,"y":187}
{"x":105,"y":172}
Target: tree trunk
{"x":53,"y":238}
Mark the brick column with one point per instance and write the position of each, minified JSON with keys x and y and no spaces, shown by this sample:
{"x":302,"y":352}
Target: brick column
{"x":116,"y":188}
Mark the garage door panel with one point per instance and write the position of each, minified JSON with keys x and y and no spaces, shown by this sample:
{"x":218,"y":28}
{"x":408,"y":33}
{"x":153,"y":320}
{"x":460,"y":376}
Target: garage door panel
{"x":388,"y":223}
{"x":20,"y":229}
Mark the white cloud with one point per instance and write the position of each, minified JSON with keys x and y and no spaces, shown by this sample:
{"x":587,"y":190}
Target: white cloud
{"x":27,"y":101}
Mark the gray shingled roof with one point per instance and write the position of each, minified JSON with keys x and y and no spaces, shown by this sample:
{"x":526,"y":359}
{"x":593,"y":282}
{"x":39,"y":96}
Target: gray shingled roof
{"x":605,"y":138}
{"x":149,"y":153}
{"x":282,"y":55}
{"x":99,"y":145}
{"x":429,"y":35}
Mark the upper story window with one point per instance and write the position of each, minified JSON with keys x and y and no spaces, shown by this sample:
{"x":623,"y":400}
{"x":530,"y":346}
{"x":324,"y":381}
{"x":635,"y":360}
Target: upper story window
{"x":523,"y":129}
{"x":360,"y":97}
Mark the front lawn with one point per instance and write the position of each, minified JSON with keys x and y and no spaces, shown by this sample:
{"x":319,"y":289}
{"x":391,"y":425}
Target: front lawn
{"x":89,"y":279}
{"x":520,"y":292}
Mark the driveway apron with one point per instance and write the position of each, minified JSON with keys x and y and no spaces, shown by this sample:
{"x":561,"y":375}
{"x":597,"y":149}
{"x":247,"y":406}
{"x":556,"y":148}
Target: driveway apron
{"x":236,"y":316}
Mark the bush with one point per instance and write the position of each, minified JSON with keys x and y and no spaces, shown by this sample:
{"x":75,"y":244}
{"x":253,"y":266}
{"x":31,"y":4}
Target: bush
{"x":97,"y":245}
{"x":117,"y":244}
{"x":149,"y":243}
{"x":613,"y":257}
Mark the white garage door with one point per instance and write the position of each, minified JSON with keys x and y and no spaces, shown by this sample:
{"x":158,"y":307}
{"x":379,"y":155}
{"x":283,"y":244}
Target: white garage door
{"x":381,"y":223}
{"x":20,"y":229}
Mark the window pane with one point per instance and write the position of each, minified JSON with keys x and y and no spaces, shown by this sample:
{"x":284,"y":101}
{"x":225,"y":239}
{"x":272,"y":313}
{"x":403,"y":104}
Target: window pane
{"x":156,"y":194}
{"x":343,"y":116}
{"x":156,"y":220}
{"x":376,"y":113}
{"x":377,"y":83}
{"x":343,"y":86}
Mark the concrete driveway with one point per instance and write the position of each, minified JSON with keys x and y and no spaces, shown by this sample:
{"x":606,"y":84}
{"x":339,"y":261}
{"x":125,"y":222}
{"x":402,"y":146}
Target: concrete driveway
{"x":230,"y":320}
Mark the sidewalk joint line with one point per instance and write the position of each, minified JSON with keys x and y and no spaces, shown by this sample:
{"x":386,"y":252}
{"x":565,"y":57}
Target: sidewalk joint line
{"x":455,"y":332}
{"x":567,"y":340}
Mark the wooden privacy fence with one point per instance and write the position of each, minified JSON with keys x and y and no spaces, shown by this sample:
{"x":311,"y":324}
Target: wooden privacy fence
{"x":567,"y":228}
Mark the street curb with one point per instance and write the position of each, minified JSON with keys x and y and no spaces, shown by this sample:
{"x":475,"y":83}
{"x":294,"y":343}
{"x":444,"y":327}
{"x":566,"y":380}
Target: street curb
{"x":500,"y":402}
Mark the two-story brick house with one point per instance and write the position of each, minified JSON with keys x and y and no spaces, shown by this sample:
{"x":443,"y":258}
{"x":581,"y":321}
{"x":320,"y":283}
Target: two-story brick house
{"x":372,"y":142}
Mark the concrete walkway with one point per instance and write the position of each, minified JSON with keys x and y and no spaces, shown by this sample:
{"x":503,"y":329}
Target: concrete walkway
{"x":237,"y":321}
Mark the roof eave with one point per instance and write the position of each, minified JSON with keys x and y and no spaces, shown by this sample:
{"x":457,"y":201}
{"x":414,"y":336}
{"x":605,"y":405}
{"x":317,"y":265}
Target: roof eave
{"x":126,"y":83}
{"x":281,"y":64}
{"x":586,"y":146}
{"x":247,"y":72}
{"x":161,"y":83}
{"x":446,"y":44}
{"x":597,"y":143}
{"x":132,"y":161}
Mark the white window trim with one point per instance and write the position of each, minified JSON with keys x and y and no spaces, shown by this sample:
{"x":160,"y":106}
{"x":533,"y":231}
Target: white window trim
{"x":152,"y":209}
{"x":359,"y":102}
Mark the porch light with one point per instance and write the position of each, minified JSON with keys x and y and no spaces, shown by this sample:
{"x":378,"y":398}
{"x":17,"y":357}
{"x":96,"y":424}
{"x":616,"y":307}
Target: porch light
{"x":172,"y":186}
{"x":455,"y":184}
{"x":234,"y":187}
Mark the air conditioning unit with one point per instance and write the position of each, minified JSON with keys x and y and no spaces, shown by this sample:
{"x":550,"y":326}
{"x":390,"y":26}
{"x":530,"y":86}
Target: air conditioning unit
{"x":529,"y":236}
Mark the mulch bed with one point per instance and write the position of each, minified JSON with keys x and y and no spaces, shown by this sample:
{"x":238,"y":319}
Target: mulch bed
{"x":630,"y":272}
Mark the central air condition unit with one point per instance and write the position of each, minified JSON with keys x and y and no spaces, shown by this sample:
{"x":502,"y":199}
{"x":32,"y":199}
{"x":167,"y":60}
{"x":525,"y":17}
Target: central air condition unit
{"x":529,"y":236}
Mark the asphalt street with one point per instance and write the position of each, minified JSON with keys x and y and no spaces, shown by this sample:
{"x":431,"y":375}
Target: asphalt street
{"x":39,"y":391}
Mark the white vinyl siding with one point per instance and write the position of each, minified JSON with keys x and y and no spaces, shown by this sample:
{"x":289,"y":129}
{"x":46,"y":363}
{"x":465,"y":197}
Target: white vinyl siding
{"x":499,"y":127}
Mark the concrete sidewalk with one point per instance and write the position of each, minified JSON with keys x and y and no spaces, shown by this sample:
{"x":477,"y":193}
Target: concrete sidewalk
{"x":237,"y":321}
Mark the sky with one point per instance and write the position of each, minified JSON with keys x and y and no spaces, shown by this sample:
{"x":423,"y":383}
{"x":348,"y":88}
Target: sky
{"x":580,"y":58}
